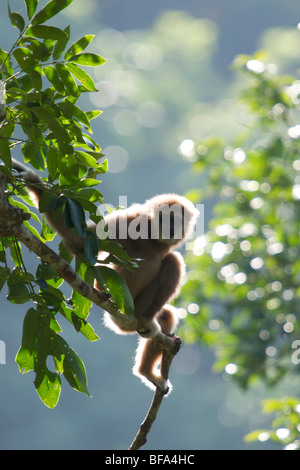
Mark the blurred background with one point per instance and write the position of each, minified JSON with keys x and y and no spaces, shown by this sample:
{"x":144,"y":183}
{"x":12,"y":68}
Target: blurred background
{"x":167,"y":82}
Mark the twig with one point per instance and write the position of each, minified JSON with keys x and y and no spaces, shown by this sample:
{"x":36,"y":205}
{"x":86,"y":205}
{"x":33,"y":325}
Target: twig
{"x":141,"y":437}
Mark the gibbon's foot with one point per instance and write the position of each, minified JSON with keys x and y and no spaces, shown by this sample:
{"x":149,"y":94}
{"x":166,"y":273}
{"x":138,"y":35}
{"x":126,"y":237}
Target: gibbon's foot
{"x":145,"y":333}
{"x":148,"y":329}
{"x":164,"y":386}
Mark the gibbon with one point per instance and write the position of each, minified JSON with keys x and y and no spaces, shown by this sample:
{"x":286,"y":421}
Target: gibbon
{"x":149,"y":233}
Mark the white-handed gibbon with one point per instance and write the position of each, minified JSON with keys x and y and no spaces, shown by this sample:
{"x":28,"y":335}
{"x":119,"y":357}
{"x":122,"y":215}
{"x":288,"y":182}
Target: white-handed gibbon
{"x":148,"y":232}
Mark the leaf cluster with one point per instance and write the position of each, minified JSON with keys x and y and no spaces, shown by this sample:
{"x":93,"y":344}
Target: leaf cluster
{"x":42,"y":78}
{"x":245,"y":270}
{"x":285,"y":425}
{"x":43,"y":81}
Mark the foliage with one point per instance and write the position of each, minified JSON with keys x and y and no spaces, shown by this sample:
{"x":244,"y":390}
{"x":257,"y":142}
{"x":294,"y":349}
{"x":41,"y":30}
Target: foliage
{"x":285,"y":426}
{"x":41,"y":81}
{"x":244,"y":274}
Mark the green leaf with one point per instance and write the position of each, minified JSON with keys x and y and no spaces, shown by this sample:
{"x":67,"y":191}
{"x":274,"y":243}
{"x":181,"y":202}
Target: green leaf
{"x":5,"y":62}
{"x":78,"y":46}
{"x":87,"y":182}
{"x":46,"y":272}
{"x":50,"y":9}
{"x":90,"y":247}
{"x":5,"y":155}
{"x":88,"y":59}
{"x":117,"y":287}
{"x":32,"y":154}
{"x":90,"y":143}
{"x":73,"y":367}
{"x":47,"y":236}
{"x":36,"y":79}
{"x":52,"y":297}
{"x":33,"y":230}
{"x":4,"y":274}
{"x":7,"y":130}
{"x":46,"y":32}
{"x":83,"y":77}
{"x":17,"y":283}
{"x":90,"y":194}
{"x":25,"y":209}
{"x":26,"y":85}
{"x":60,"y":45}
{"x":54,"y":79}
{"x":67,"y":79}
{"x":18,"y":294}
{"x":25,"y":59}
{"x":16,"y":19}
{"x":103,"y":167}
{"x":44,"y":201}
{"x":31,"y":7}
{"x":67,"y":179}
{"x":81,"y":305}
{"x":92,"y":114}
{"x":35,"y":46}
{"x":52,"y":156}
{"x":27,"y":353}
{"x":80,"y":324}
{"x":25,"y":360}
{"x":115,"y":249}
{"x":81,"y":117}
{"x":77,"y":216}
{"x":87,"y":159}
{"x":48,"y":387}
{"x":56,"y":127}
{"x":28,"y":149}
{"x":47,"y":383}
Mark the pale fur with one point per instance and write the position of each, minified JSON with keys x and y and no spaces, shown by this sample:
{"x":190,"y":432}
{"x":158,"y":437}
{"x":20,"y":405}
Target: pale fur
{"x":155,"y":282}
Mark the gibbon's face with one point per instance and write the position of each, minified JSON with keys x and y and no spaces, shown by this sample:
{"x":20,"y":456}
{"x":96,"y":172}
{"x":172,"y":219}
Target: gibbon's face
{"x":167,"y":226}
{"x":167,"y":218}
{"x":169,"y":222}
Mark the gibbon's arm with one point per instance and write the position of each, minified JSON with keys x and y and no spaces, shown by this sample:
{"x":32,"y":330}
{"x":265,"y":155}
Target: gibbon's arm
{"x":33,"y":183}
{"x":36,"y":187}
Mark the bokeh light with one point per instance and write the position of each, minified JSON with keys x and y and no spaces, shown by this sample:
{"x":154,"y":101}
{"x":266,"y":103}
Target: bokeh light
{"x":117,"y":158}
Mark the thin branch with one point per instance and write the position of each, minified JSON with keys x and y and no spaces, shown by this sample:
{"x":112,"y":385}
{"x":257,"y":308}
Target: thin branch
{"x":141,"y":437}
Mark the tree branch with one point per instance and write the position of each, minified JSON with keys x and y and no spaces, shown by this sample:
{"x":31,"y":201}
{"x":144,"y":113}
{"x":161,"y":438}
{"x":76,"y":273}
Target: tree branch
{"x":11,"y":224}
{"x":168,"y":355}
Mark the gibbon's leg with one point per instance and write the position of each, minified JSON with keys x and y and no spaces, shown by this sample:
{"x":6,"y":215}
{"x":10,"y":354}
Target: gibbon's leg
{"x":160,"y":291}
{"x":148,"y":358}
{"x":153,"y":298}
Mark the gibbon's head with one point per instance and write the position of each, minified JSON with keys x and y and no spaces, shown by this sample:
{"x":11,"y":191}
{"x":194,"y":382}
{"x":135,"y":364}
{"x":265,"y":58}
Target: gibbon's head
{"x":171,"y":217}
